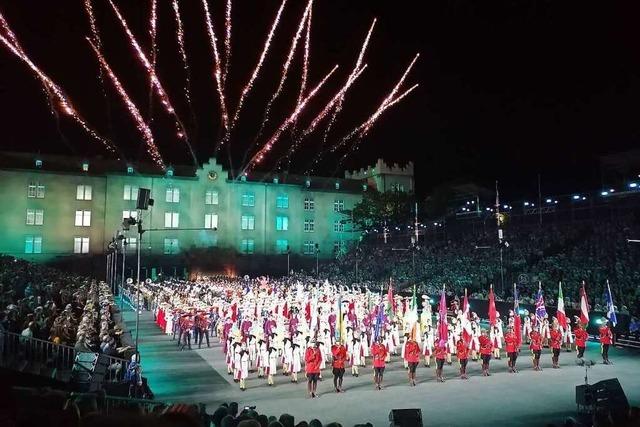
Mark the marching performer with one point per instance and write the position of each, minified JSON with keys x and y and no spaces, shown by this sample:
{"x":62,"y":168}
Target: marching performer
{"x":441,"y":356}
{"x":526,"y":327}
{"x":379,"y":352}
{"x":312,"y":368}
{"x":536,"y":348}
{"x":511,"y":343}
{"x":463,"y":354}
{"x":244,"y":367}
{"x":412,"y":357}
{"x":606,"y":339}
{"x":567,"y":336}
{"x":339,"y":356}
{"x":263,"y":357}
{"x":486,"y":348}
{"x":474,"y":343}
{"x":272,"y":367}
{"x":581,"y":339}
{"x":427,"y":346}
{"x":356,"y":356}
{"x":296,"y":362}
{"x":556,"y":343}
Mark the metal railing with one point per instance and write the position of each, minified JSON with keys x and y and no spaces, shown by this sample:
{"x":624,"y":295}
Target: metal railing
{"x":109,"y":404}
{"x":17,"y":348}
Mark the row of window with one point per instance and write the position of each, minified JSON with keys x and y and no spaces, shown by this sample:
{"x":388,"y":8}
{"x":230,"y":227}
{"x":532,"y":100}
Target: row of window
{"x":33,"y":245}
{"x":172,"y":195}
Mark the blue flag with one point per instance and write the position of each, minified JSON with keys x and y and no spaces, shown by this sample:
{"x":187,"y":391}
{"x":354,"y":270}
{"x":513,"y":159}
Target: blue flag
{"x":611,"y":312}
{"x":541,"y":311}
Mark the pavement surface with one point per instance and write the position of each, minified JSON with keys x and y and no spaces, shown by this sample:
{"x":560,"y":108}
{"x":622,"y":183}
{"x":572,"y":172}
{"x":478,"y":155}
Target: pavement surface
{"x":524,"y":399}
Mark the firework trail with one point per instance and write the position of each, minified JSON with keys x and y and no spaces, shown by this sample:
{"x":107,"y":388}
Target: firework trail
{"x":57,"y":98}
{"x":183,"y":52}
{"x":95,"y":34}
{"x":340,"y":102}
{"x":217,"y":72}
{"x":142,"y":127}
{"x":284,"y":74}
{"x":153,"y":20}
{"x":159,"y":89}
{"x":227,"y":42}
{"x":320,"y":116}
{"x":305,"y":64}
{"x":259,"y":156}
{"x":256,"y":70}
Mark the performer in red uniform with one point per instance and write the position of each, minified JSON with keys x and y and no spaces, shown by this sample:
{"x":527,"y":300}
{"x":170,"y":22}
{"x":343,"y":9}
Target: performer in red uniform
{"x":606,"y":339}
{"x":312,"y":359}
{"x":441,"y":355}
{"x":412,"y":356}
{"x":486,"y":348}
{"x":379,"y":352}
{"x":556,"y":343}
{"x":581,"y":339}
{"x":536,"y":348}
{"x":511,"y":344}
{"x":339,"y":353}
{"x":462,"y":351}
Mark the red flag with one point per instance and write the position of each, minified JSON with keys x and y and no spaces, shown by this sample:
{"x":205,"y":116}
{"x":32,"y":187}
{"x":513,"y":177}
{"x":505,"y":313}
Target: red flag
{"x":443,"y":330}
{"x":307,"y":311}
{"x":466,"y":324}
{"x":584,"y":306}
{"x":560,"y":314}
{"x":234,"y":312}
{"x":492,"y":307}
{"x":517,"y":322}
{"x":285,"y":310}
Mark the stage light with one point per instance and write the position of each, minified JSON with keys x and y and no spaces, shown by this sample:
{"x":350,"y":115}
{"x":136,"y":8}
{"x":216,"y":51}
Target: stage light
{"x":549,"y":200}
{"x":633,"y":184}
{"x":576,"y":197}
{"x":584,"y":198}
{"x":604,"y":193}
{"x":611,"y":190}
{"x":526,"y":203}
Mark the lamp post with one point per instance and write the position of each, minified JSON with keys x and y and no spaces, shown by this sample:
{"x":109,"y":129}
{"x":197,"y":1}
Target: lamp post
{"x":288,"y":254}
{"x":139,"y":243}
{"x":317,"y":264}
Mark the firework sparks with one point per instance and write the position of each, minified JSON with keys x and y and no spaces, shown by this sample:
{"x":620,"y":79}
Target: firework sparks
{"x":133,"y":110}
{"x":217,"y":72}
{"x":227,"y":41}
{"x":182,"y":50}
{"x":153,"y":78}
{"x":57,"y":98}
{"x":256,"y":70}
{"x":305,"y":63}
{"x":153,"y":31}
{"x":95,"y":34}
{"x":259,"y":156}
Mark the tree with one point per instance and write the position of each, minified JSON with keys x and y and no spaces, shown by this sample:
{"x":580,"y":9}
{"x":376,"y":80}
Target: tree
{"x":392,"y":207}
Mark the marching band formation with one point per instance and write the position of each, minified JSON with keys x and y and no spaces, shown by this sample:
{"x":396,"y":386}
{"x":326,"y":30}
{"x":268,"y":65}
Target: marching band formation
{"x":268,"y":328}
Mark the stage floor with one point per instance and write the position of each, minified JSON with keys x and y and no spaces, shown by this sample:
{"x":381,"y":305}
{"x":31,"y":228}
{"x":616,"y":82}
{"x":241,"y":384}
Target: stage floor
{"x":523,"y":399}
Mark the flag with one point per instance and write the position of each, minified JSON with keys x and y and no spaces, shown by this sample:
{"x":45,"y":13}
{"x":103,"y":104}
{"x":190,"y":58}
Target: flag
{"x":412,"y":317}
{"x":517,"y":328}
{"x":442,"y":316}
{"x":562,"y":317}
{"x":541,"y":311}
{"x":390,"y":303}
{"x":611,"y":311}
{"x":584,"y":306}
{"x":466,"y":324}
{"x":492,"y":307}
{"x":379,"y":321}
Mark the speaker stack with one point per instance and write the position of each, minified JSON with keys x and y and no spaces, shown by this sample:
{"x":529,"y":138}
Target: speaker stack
{"x":405,"y":418}
{"x":88,"y":371}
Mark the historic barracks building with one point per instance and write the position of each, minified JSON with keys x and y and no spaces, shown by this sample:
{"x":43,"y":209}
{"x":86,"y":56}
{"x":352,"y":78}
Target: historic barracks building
{"x":58,"y":206}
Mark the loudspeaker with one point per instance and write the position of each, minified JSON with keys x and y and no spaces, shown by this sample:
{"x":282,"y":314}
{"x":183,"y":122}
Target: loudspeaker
{"x":609,"y":395}
{"x":405,"y":418}
{"x":88,"y":371}
{"x":144,"y":195}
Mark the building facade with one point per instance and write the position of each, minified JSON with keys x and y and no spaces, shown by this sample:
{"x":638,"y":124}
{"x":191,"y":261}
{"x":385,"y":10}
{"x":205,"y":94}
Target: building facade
{"x":60,"y":207}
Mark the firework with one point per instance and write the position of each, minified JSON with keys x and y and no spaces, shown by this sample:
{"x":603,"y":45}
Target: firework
{"x":95,"y":34}
{"x":183,"y":52}
{"x":227,"y":41}
{"x":153,"y":20}
{"x":217,"y":72}
{"x":305,"y":63}
{"x":153,"y":78}
{"x":11,"y":37}
{"x":58,"y":99}
{"x":256,"y":70}
{"x":259,"y":156}
{"x":133,"y":110}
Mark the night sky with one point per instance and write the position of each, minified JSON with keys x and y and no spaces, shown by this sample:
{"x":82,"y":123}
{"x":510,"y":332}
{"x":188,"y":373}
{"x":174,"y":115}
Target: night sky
{"x":508,"y":89}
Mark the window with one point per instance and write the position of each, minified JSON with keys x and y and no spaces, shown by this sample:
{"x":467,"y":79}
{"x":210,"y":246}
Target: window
{"x":80,"y":245}
{"x":309,"y":204}
{"x":211,"y":197}
{"x":33,"y":245}
{"x":35,"y":216}
{"x":83,"y":192}
{"x":173,"y":195}
{"x":130,"y":192}
{"x":248,"y":199}
{"x":248,"y":222}
{"x":247,"y":246}
{"x":210,"y":220}
{"x":131,"y":243}
{"x":83,"y":218}
{"x":281,"y":246}
{"x":309,"y":247}
{"x":171,"y":246}
{"x":36,"y":190}
{"x":282,"y":201}
{"x":339,"y":247}
{"x":282,"y":223}
{"x":338,"y":205}
{"x":309,"y":225}
{"x":338,"y":226}
{"x":129,"y":214}
{"x":171,"y":219}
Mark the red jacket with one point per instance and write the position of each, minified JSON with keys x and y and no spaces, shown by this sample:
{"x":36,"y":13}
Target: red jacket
{"x":536,"y":341}
{"x":606,"y":337}
{"x":485,"y":344}
{"x":412,"y":352}
{"x":339,"y":353}
{"x":511,"y":342}
{"x":556,"y":339}
{"x":441,"y":352}
{"x":379,"y":352}
{"x":312,"y":359}
{"x":581,"y":337}
{"x":462,"y":350}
